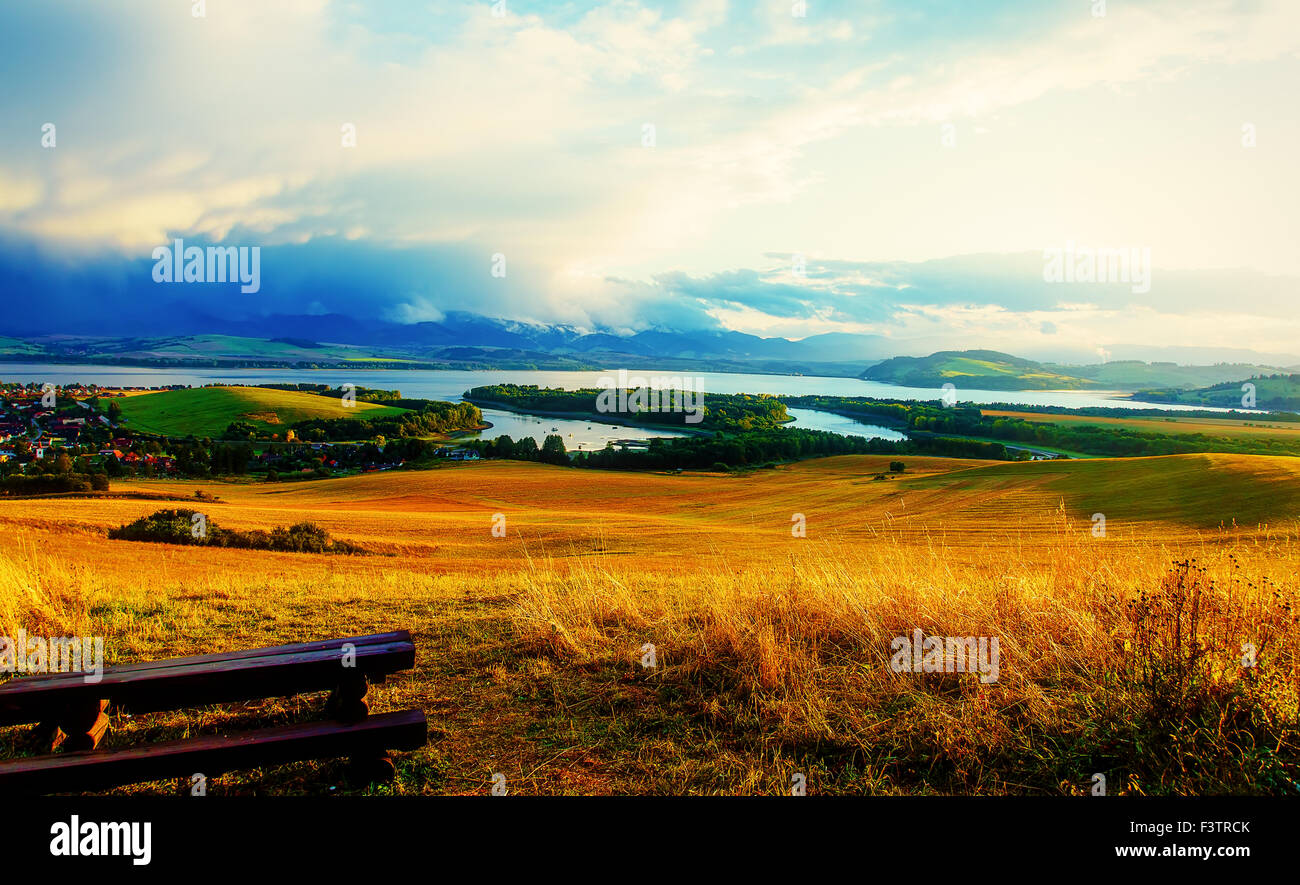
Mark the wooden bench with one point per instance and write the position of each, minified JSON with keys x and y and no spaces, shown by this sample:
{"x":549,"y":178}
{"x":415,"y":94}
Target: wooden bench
{"x":72,"y":713}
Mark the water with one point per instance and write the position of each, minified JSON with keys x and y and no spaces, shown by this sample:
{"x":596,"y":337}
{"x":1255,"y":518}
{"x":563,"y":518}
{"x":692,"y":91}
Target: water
{"x":815,"y":420}
{"x":577,"y":434}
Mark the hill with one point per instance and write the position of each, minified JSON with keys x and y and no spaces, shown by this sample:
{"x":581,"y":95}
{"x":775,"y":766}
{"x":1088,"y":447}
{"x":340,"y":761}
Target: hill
{"x":1135,"y":374}
{"x":1281,"y":392}
{"x":208,"y":411}
{"x":774,"y":645}
{"x":1203,"y":490}
{"x":979,"y":369}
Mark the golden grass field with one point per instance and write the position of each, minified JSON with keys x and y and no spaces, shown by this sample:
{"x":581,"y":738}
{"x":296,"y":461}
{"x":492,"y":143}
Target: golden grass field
{"x":772,"y":650}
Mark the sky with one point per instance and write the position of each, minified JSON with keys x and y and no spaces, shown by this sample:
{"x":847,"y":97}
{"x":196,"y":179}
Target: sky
{"x":892,"y":167}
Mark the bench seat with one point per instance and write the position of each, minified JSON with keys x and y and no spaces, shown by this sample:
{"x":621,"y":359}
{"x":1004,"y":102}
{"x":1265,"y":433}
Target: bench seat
{"x":212,"y":755}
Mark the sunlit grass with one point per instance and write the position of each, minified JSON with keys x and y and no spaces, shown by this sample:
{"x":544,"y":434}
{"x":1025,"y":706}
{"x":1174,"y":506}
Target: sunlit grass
{"x":772,"y":652}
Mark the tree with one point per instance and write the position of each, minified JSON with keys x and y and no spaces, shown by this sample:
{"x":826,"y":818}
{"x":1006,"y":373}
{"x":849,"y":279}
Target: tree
{"x":114,"y":412}
{"x":896,"y":467}
{"x":553,"y":451}
{"x":502,"y":447}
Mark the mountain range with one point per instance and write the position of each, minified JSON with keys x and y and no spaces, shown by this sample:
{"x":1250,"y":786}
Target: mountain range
{"x":180,"y":334}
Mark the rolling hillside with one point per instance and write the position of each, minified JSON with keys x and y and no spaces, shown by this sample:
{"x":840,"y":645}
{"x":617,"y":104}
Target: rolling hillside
{"x":773,"y":648}
{"x":1281,"y":392}
{"x":1135,"y":374}
{"x":979,"y":369}
{"x":208,"y":411}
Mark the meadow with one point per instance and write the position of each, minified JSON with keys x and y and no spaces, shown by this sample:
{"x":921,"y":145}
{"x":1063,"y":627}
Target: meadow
{"x":1120,"y":653}
{"x":208,"y":411}
{"x":1170,"y":424}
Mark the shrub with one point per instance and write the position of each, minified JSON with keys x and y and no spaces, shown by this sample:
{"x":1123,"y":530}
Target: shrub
{"x":162,"y":527}
{"x":177,"y":527}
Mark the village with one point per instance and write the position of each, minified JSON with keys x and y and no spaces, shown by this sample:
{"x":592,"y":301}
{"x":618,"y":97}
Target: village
{"x":47,"y":432}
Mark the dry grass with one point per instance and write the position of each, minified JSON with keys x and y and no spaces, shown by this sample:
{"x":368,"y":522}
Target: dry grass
{"x":772,"y":651}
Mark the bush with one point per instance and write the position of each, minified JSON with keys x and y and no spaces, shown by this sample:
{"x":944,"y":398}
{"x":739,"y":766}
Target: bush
{"x":1200,"y":711}
{"x":178,"y":527}
{"x":162,"y":527}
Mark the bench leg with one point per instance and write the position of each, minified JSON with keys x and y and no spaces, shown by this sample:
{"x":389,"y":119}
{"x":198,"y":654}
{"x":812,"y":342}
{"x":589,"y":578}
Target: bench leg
{"x":82,"y":727}
{"x":348,"y":702}
{"x":371,"y":767}
{"x":46,"y":736}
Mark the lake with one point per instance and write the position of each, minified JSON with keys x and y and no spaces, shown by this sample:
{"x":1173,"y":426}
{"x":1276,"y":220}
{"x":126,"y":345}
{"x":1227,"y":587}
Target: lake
{"x":577,"y":435}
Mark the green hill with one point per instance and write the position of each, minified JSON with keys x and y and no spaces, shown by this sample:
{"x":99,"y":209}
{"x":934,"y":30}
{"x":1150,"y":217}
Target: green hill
{"x":208,"y":411}
{"x":17,"y":347}
{"x":1280,"y":392}
{"x":979,"y":369}
{"x":1135,"y":374}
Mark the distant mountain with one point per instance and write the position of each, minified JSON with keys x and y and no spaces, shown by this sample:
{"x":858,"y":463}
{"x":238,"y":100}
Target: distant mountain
{"x":1185,"y":355}
{"x":181,"y":333}
{"x":463,"y":339}
{"x":978,"y":369}
{"x":1135,"y":374}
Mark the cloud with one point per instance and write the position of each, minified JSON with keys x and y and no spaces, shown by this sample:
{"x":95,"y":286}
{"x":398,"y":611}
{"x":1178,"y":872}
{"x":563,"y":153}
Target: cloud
{"x":523,"y":135}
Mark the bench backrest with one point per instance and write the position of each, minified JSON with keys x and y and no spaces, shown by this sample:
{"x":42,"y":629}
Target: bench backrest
{"x":174,"y":683}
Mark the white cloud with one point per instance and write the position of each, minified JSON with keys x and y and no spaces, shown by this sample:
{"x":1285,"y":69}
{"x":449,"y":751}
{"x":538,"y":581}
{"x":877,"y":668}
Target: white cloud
{"x":523,"y":135}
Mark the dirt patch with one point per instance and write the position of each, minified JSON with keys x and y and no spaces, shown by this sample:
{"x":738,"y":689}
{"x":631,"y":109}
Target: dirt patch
{"x":264,"y":417}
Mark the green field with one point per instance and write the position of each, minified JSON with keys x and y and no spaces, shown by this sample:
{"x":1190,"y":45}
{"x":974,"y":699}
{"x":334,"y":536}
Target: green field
{"x":1132,"y":374}
{"x":208,"y":411}
{"x":1271,"y":392}
{"x":17,"y":347}
{"x":229,"y":347}
{"x":1168,"y":424}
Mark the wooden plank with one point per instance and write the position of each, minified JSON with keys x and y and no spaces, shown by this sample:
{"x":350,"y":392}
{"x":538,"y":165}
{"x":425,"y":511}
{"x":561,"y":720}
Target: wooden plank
{"x":210,"y":682}
{"x":296,"y":648}
{"x":212,"y":755}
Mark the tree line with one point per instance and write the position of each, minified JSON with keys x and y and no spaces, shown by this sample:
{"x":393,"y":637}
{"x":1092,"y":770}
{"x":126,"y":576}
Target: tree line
{"x":725,"y":451}
{"x":736,"y":412}
{"x":922,"y":419}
